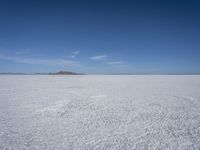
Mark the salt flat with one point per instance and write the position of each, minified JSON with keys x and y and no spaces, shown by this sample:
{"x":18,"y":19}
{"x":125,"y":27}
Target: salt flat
{"x":100,"y":112}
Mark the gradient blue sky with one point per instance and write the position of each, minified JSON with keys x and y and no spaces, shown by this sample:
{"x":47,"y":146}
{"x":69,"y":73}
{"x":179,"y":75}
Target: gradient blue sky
{"x":104,"y":36}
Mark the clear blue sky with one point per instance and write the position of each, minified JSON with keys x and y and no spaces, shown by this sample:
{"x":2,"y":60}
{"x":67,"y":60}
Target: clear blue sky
{"x":100,"y":36}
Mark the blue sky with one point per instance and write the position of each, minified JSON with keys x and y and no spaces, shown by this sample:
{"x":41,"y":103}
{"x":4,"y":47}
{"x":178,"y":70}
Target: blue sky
{"x":152,"y":36}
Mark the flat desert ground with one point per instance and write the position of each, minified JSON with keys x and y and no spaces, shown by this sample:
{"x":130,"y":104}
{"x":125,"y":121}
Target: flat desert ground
{"x":100,"y":112}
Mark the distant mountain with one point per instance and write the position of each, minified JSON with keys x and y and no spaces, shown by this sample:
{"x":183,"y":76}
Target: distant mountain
{"x":65,"y":73}
{"x":12,"y":73}
{"x":56,"y":73}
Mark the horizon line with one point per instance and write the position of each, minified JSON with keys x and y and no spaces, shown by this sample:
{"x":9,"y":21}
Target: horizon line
{"x":50,"y":73}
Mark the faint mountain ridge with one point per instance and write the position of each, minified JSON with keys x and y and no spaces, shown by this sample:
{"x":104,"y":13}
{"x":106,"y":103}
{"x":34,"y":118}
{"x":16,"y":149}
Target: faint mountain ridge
{"x":51,"y":73}
{"x":12,"y":73}
{"x":65,"y":73}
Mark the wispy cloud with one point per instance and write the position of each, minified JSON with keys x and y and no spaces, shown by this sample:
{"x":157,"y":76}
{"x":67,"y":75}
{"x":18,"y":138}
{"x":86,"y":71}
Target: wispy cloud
{"x":115,"y":63}
{"x":74,"y":54}
{"x":39,"y":61}
{"x":99,"y":57}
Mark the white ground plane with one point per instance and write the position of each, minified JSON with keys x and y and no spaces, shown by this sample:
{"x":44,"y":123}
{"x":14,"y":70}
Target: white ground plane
{"x":100,"y":112}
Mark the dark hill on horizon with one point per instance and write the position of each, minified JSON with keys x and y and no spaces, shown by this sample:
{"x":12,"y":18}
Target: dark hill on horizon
{"x":65,"y":73}
{"x":56,"y":73}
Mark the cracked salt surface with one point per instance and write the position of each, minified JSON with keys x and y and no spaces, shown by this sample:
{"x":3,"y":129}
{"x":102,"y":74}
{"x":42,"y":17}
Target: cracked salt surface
{"x":100,"y":112}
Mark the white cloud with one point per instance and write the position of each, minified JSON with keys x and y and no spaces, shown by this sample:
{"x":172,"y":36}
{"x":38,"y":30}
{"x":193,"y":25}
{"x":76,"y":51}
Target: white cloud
{"x":115,"y":63}
{"x":99,"y":57}
{"x":39,"y":61}
{"x":72,"y":56}
{"x":75,"y":52}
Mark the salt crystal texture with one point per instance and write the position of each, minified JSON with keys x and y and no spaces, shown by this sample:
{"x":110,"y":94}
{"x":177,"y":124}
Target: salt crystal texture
{"x":104,"y":112}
